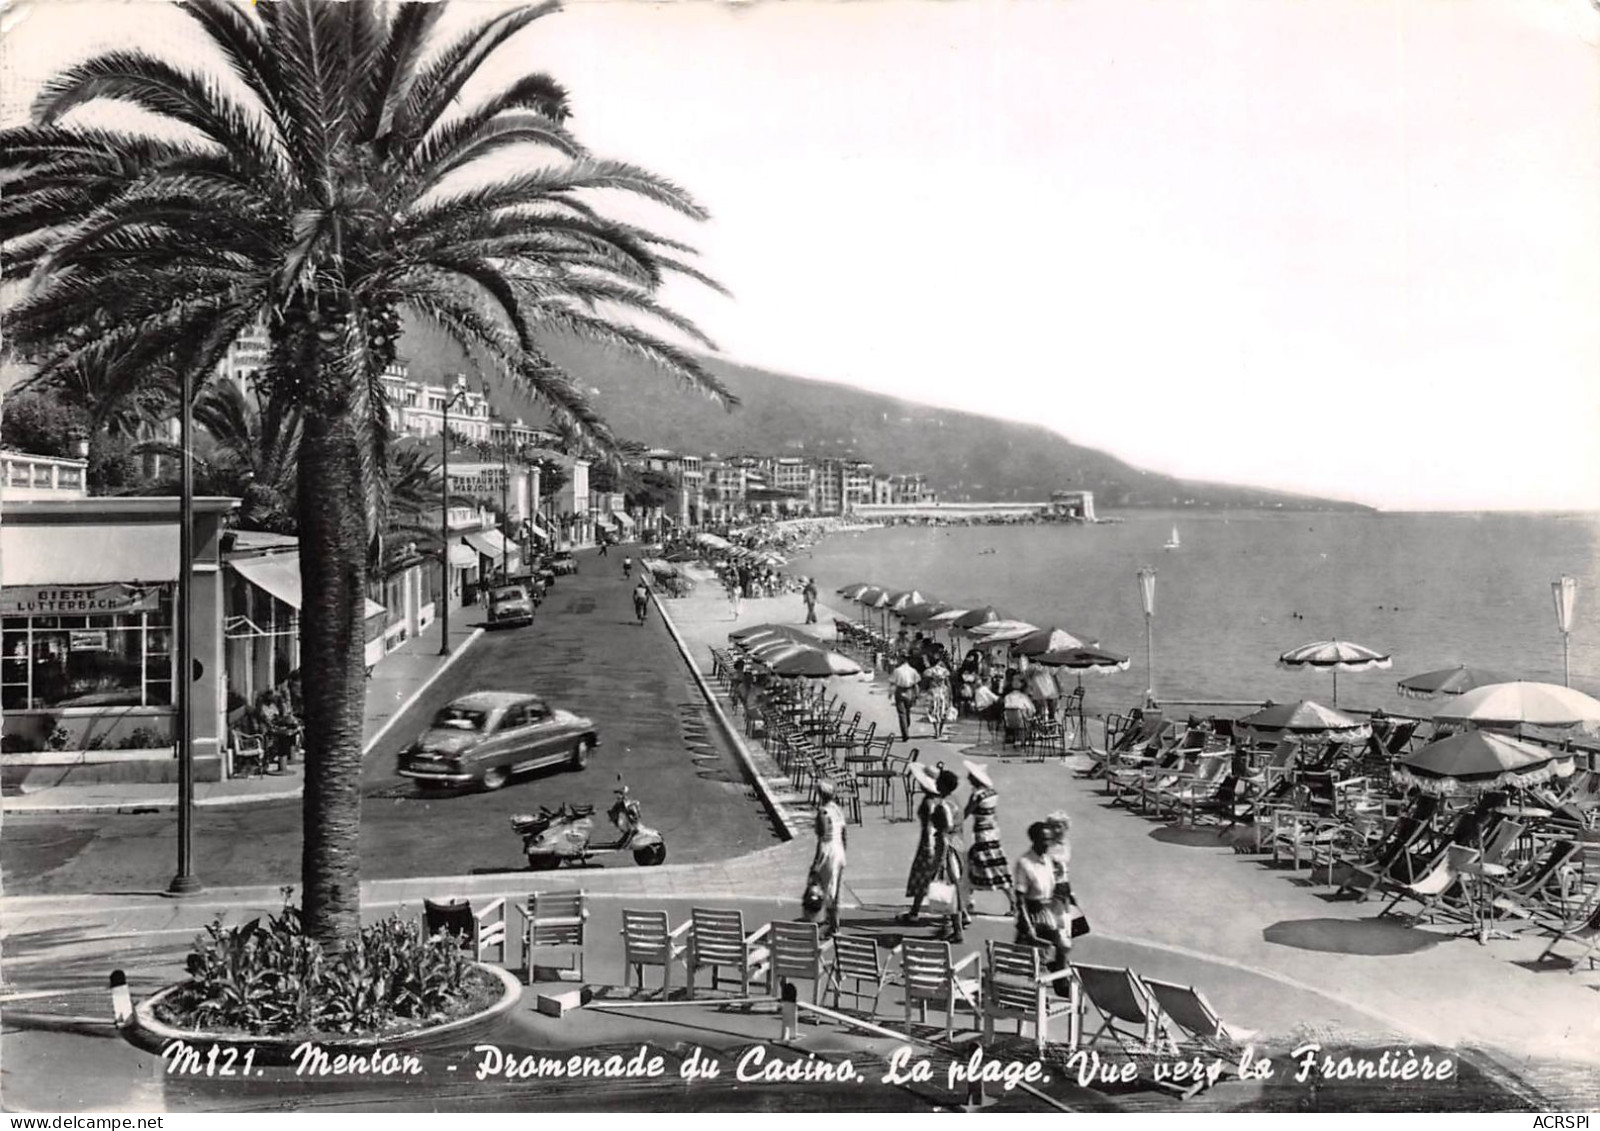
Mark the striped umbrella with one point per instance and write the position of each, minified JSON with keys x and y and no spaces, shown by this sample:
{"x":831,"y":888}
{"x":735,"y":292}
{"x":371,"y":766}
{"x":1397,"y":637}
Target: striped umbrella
{"x":1046,"y":640}
{"x":815,"y":663}
{"x":917,"y":614}
{"x":1334,"y":656}
{"x":1522,"y":703}
{"x":1305,"y":717}
{"x":1000,"y":632}
{"x":1083,"y":659}
{"x":976,"y":617}
{"x":853,"y":590}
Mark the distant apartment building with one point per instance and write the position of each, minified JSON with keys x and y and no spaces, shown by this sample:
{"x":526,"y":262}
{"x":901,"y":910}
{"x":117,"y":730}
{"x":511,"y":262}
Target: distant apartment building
{"x":417,"y":408}
{"x":246,"y":358}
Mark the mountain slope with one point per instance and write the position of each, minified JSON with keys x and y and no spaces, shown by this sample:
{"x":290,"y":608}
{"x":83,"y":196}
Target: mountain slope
{"x":964,"y":456}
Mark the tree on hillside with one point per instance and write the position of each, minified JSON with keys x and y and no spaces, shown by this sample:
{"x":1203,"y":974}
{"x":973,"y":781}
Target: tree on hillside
{"x":343,"y":188}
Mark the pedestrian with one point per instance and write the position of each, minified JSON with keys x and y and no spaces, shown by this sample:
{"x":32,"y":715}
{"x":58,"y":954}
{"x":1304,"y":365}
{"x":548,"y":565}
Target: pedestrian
{"x":986,"y":860}
{"x":641,"y":599}
{"x":809,"y":593}
{"x":605,"y":544}
{"x":1041,"y":919}
{"x":627,"y":568}
{"x":967,"y":681}
{"x":735,"y":594}
{"x":905,"y":679}
{"x":826,"y":878}
{"x":937,"y":680}
{"x":938,"y":858}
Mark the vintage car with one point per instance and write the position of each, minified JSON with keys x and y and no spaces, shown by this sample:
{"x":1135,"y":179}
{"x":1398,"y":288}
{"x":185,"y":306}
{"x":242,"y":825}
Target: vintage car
{"x":486,"y":737}
{"x":510,"y":605}
{"x":562,"y":562}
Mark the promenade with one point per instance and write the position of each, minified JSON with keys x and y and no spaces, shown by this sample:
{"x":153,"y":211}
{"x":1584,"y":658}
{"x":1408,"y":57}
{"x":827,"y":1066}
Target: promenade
{"x":1271,"y":954}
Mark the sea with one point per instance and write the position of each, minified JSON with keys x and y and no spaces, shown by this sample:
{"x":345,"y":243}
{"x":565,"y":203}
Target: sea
{"x":1431,"y":590}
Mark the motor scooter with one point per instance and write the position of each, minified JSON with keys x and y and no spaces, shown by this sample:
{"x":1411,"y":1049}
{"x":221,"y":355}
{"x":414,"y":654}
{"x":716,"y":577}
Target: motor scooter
{"x":553,"y":837}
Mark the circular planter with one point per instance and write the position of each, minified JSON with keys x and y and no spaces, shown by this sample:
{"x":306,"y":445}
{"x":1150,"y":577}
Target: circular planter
{"x":147,"y":1032}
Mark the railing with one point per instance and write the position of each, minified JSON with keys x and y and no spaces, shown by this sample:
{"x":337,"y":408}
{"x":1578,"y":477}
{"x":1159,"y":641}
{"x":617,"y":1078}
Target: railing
{"x":31,"y":477}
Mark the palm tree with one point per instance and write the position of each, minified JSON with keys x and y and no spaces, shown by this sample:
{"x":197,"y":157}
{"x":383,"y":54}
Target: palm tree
{"x":342,"y":189}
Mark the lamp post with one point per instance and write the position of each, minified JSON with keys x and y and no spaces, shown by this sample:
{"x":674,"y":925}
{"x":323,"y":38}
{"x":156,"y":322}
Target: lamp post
{"x":444,"y":516}
{"x":1565,"y":591}
{"x":1147,"y":597}
{"x":505,"y":506}
{"x":185,"y":882}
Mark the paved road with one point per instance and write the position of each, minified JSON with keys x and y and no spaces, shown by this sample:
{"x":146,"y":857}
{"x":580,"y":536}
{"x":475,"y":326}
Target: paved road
{"x":584,"y":652}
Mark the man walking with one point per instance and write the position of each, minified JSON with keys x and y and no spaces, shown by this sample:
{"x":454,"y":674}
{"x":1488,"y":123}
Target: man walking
{"x":810,"y":595}
{"x":641,"y":599}
{"x":904,"y":680}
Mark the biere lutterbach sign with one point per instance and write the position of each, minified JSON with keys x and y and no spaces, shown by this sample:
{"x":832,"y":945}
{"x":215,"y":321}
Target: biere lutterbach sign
{"x":77,"y":600}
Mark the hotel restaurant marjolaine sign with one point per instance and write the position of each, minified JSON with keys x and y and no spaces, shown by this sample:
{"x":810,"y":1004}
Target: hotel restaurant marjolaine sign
{"x":77,"y":600}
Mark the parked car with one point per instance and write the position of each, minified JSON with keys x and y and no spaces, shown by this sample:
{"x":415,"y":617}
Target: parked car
{"x":562,"y":562}
{"x":486,"y":737}
{"x":510,"y":605}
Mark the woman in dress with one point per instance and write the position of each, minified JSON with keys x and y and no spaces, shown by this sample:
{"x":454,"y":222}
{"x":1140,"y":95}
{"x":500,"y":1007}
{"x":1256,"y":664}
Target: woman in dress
{"x":967,"y":680}
{"x":986,"y":860}
{"x":1041,"y":916}
{"x":939,"y":853}
{"x":826,"y":878}
{"x":937,"y":680}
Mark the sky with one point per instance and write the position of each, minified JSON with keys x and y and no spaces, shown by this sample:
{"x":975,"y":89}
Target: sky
{"x":1344,"y":247}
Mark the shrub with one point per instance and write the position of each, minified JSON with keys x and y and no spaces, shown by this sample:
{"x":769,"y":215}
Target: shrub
{"x":271,"y":978}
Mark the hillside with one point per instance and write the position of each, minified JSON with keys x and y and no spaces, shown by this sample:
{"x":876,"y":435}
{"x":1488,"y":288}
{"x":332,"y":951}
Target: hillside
{"x":963,"y":455}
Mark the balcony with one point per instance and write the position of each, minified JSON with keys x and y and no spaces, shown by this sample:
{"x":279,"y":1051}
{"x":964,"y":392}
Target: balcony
{"x":42,"y":477}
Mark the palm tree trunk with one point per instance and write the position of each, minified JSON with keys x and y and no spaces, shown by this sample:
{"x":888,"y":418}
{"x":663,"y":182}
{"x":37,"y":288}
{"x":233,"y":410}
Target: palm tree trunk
{"x":333,"y":567}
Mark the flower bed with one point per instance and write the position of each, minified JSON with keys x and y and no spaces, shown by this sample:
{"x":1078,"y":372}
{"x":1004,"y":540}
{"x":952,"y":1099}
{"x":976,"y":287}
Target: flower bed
{"x":268,"y":979}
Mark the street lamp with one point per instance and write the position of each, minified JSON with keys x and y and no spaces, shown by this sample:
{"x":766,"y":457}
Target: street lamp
{"x":505,"y":506}
{"x":185,"y":882}
{"x":1147,"y":596}
{"x":1565,"y":591}
{"x":444,"y":515}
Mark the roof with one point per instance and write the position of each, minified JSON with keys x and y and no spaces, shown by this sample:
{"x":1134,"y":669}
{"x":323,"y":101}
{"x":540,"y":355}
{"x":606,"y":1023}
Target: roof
{"x":491,"y":700}
{"x":260,"y":541}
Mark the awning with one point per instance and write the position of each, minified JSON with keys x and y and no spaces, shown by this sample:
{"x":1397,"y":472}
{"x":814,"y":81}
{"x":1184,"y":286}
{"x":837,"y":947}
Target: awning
{"x":86,"y":554}
{"x":463,"y":557}
{"x":488,"y":543}
{"x":534,"y":528}
{"x":279,"y":575}
{"x":622,"y":520}
{"x":607,"y":516}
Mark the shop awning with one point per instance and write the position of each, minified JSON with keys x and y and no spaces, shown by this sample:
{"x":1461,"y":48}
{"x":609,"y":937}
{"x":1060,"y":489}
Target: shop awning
{"x":609,"y":518}
{"x":488,"y":543}
{"x":463,"y":557}
{"x":539,"y":531}
{"x":279,"y":575}
{"x":622,"y":520}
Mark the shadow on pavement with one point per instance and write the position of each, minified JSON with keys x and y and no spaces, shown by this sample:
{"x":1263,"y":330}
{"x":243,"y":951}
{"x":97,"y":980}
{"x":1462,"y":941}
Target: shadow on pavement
{"x":1345,"y":936}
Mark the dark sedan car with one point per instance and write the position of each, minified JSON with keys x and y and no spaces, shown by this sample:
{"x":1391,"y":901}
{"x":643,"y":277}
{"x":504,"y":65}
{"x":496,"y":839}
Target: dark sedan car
{"x":484,"y":738}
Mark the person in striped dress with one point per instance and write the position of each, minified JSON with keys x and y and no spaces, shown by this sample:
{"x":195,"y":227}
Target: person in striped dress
{"x":987,"y":869}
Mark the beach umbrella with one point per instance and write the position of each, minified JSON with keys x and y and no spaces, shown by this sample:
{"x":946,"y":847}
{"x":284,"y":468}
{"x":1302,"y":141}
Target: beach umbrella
{"x":904,"y":599}
{"x":1334,"y":656}
{"x":917,"y":614}
{"x":947,"y":618}
{"x":975,"y":617}
{"x":853,"y":590}
{"x":1522,"y":703}
{"x":1000,"y":632}
{"x":1303,"y":717}
{"x":774,"y":650}
{"x":815,"y":663}
{"x":758,"y":629}
{"x":1447,"y":681}
{"x":1084,"y":659}
{"x":1043,"y":640}
{"x":1476,"y":761}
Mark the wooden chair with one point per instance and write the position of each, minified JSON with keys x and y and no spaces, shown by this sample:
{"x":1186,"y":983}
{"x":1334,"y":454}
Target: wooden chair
{"x":929,"y":973}
{"x":648,"y":939}
{"x":858,"y":960}
{"x":717,"y":940}
{"x":248,"y":756}
{"x":477,"y":931}
{"x":554,"y":921}
{"x":798,"y":954}
{"x":1017,"y":986}
{"x":1194,"y":1024}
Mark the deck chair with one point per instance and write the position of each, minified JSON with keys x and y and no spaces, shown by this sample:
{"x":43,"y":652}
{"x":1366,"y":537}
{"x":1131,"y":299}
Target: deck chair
{"x":717,"y":941}
{"x":1429,"y":891}
{"x":554,"y":921}
{"x":649,"y":940}
{"x":1523,"y":895}
{"x":476,"y":931}
{"x":1193,"y":1022}
{"x":929,"y":974}
{"x":1192,"y":790}
{"x":857,"y":959}
{"x":1017,"y":986}
{"x":1129,"y":1012}
{"x":1585,"y":931}
{"x":798,"y":955}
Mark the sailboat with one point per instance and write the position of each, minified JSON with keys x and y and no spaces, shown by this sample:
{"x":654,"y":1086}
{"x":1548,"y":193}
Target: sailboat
{"x":1173,"y":543}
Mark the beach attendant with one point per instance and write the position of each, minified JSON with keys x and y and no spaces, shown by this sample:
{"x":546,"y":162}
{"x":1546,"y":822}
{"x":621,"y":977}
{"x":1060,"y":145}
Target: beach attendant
{"x":826,"y":877}
{"x":987,"y":869}
{"x":938,"y":858}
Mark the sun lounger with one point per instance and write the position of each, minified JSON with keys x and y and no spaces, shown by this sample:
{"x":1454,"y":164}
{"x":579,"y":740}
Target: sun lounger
{"x":1133,"y":1018}
{"x":1198,"y":1026}
{"x":1585,"y":932}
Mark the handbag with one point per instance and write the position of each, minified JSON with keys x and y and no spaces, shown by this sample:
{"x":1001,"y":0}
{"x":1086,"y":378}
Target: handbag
{"x":1079,"y":922}
{"x":951,"y":714}
{"x":941,"y":897}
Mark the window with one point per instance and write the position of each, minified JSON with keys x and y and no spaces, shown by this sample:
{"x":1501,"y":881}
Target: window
{"x":119,"y":660}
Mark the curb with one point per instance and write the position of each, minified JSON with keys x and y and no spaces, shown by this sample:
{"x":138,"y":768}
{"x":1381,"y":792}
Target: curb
{"x":775,"y":808}
{"x":366,"y":747}
{"x":164,"y":805}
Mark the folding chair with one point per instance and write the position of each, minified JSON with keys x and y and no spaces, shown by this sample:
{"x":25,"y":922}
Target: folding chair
{"x":554,"y":921}
{"x":475,"y":931}
{"x":1586,"y":931}
{"x":249,"y":756}
{"x":648,"y":939}
{"x":1017,"y":986}
{"x":1129,"y":1012}
{"x":1195,"y":1022}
